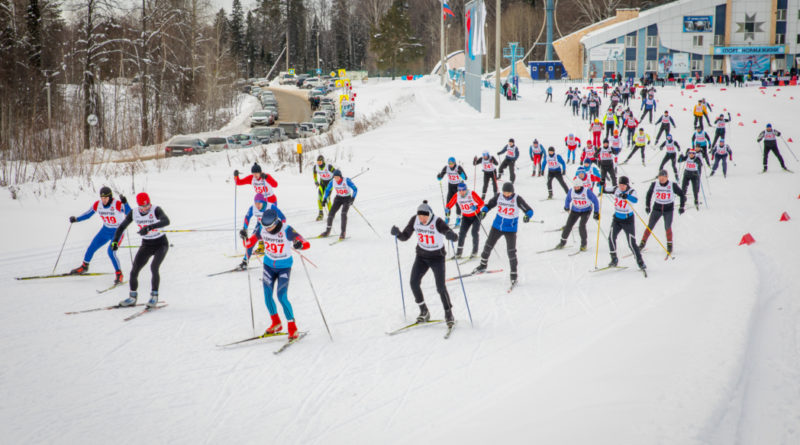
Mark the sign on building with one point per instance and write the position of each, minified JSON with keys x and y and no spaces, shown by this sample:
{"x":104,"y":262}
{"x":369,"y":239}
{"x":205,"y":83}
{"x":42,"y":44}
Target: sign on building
{"x":698,"y":23}
{"x":745,"y":50}
{"x":608,"y":51}
{"x":680,"y":63}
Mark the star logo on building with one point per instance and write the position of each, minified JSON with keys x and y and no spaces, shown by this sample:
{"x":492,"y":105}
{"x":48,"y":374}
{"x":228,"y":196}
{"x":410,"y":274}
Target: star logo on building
{"x":749,"y":27}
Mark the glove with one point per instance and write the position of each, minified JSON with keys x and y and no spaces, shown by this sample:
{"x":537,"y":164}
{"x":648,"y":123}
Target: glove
{"x":297,"y":244}
{"x":596,"y":216}
{"x":526,"y":218}
{"x":236,"y":173}
{"x":439,"y":176}
{"x":566,"y":209}
{"x":352,"y":200}
{"x":316,"y":183}
{"x":482,"y":215}
{"x":623,"y":195}
{"x":73,"y":219}
{"x":243,"y":233}
{"x":647,"y":209}
{"x":114,"y":245}
{"x":395,"y":231}
{"x":143,"y":231}
{"x":123,"y":199}
{"x":681,"y":210}
{"x":451,"y":236}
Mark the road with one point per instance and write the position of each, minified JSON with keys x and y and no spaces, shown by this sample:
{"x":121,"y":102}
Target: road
{"x":293,"y":104}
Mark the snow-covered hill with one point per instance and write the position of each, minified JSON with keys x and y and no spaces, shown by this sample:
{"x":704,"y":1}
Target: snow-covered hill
{"x":705,"y":350}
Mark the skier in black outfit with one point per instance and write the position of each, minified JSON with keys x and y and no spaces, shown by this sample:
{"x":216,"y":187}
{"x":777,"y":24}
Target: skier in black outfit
{"x":665,"y":192}
{"x":489,"y":167}
{"x":512,"y":154}
{"x":720,"y":131}
{"x":770,"y":138}
{"x":431,"y":233}
{"x":691,"y":172}
{"x":673,"y":148}
{"x":455,"y":175}
{"x":666,"y":125}
{"x":154,"y":244}
{"x":606,"y":155}
{"x":624,"y":198}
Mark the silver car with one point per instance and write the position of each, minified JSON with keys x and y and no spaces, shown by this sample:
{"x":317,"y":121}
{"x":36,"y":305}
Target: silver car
{"x":217,"y":143}
{"x":261,"y":118}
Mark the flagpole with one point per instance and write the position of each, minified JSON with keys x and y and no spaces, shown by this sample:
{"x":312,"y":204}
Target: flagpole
{"x":497,"y":46}
{"x":441,"y":42}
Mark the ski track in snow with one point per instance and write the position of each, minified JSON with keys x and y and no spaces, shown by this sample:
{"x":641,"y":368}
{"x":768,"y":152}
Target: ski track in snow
{"x":704,"y":350}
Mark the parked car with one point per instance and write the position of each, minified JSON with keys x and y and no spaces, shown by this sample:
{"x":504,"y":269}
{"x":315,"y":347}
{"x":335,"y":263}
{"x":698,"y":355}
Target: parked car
{"x":232,"y":142}
{"x":262,"y":135}
{"x":326,"y":100}
{"x":321,"y":123}
{"x":307,"y":129}
{"x":287,"y":79}
{"x":323,"y":114}
{"x":185,"y":146}
{"x":273,"y":110}
{"x":244,"y":140}
{"x":217,"y":143}
{"x":255,"y":91}
{"x":266,"y":95}
{"x":278,"y":134}
{"x":261,"y":118}
{"x":292,"y":129}
{"x":269,"y":102}
{"x":330,"y":109}
{"x":311,"y":82}
{"x":300,"y":79}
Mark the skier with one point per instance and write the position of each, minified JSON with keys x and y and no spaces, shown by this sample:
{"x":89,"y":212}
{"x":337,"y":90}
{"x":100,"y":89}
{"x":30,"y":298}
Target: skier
{"x":589,"y":153}
{"x":594,"y":107}
{"x":260,"y":205}
{"x":721,"y":152}
{"x":278,"y":240}
{"x":588,"y":174}
{"x":345,"y":192}
{"x":154,"y":244}
{"x":489,"y":167}
{"x":699,"y":111}
{"x":455,"y":175}
{"x":579,"y":203}
{"x":630,"y":123}
{"x":691,"y":173}
{"x":611,"y":122}
{"x":509,"y":206}
{"x":639,"y":142}
{"x":262,"y":183}
{"x":549,"y":94}
{"x":537,"y":152}
{"x":585,"y":106}
{"x":606,"y":155}
{"x":576,"y":100}
{"x":700,"y":140}
{"x":431,"y":233}
{"x":649,"y":106}
{"x":666,"y":125}
{"x":597,"y":129}
{"x":665,"y":192}
{"x":469,"y":202}
{"x":556,"y":167}
{"x":615,"y":142}
{"x":512,"y":154}
{"x":112,"y":212}
{"x":323,"y":173}
{"x":720,"y":131}
{"x":624,"y":198}
{"x":572,"y":143}
{"x":568,"y":97}
{"x":673,"y":148}
{"x":770,"y":138}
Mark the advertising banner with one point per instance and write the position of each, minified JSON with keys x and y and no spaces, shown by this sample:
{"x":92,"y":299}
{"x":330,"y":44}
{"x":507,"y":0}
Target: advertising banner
{"x":665,"y":64}
{"x":680,"y":63}
{"x":742,"y":50}
{"x":698,"y":23}
{"x":744,"y":64}
{"x":608,"y":51}
{"x":475,"y":42}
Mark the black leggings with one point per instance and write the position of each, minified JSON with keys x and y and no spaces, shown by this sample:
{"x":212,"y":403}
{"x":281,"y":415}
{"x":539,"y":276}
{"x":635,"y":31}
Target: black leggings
{"x":694,"y":178}
{"x":510,"y":164}
{"x":555,"y":174}
{"x":469,"y":222}
{"x":452,"y":189}
{"x":649,"y":112}
{"x":669,"y":157}
{"x":607,"y":169}
{"x":344,"y":203}
{"x":156,"y":248}
{"x":571,"y":220}
{"x":772,"y":147}
{"x":633,"y":152}
{"x":419,"y":269}
{"x":511,"y":246}
{"x":664,"y":128}
{"x":487,"y":178}
{"x":624,"y":225}
{"x":655,"y":215}
{"x":718,"y":133}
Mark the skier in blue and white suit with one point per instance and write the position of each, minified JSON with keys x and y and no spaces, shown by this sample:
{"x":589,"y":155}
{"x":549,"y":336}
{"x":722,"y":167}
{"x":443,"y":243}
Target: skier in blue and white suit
{"x":260,"y":205}
{"x":579,"y":203}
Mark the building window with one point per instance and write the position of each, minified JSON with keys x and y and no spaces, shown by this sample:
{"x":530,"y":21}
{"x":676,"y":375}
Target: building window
{"x":780,"y":39}
{"x":780,"y":64}
{"x":697,"y":40}
{"x":697,"y":65}
{"x":630,"y":65}
{"x":610,"y":66}
{"x":717,"y":65}
{"x":798,"y":39}
{"x":652,"y":41}
{"x":630,"y":41}
{"x":780,"y":15}
{"x":651,"y":65}
{"x":719,"y":40}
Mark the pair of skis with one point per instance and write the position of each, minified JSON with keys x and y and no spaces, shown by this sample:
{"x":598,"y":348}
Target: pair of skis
{"x":617,"y":268}
{"x":62,"y":275}
{"x":277,"y":334}
{"x":160,"y":305}
{"x":422,"y":323}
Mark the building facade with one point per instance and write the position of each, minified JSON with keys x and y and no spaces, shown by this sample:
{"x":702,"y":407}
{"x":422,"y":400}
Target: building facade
{"x":689,"y":37}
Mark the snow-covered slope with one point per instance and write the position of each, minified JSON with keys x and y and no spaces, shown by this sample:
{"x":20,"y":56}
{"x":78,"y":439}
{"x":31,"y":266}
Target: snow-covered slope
{"x":705,"y":350}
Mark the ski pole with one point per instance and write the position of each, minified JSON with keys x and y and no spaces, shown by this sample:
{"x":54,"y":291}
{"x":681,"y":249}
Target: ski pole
{"x":235,"y":198}
{"x":193,"y":230}
{"x":62,"y":248}
{"x":466,"y":301}
{"x":250,"y":292}
{"x":651,"y":232}
{"x":365,"y":220}
{"x":303,"y":261}
{"x":305,"y":258}
{"x":487,"y":239}
{"x":400,"y":275}
{"x":599,"y":215}
{"x":474,"y":176}
{"x":790,"y":149}
{"x":700,"y":180}
{"x":360,"y":173}
{"x":129,"y":246}
{"x":441,"y":193}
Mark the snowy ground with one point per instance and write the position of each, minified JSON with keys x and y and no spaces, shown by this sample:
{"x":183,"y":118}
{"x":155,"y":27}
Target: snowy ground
{"x":705,"y":350}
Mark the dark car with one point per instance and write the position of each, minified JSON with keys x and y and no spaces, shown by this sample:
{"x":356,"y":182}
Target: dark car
{"x":292,"y":129}
{"x":185,"y":146}
{"x":262,"y":135}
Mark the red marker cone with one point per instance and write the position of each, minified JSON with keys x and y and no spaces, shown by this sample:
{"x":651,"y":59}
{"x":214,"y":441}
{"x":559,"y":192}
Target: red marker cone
{"x":684,"y":109}
{"x":789,"y":140}
{"x":747,"y":239}
{"x":723,"y":89}
{"x":741,"y":124}
{"x":724,"y":109}
{"x":755,"y":121}
{"x":774,"y":95}
{"x":738,"y":114}
{"x":784,"y":217}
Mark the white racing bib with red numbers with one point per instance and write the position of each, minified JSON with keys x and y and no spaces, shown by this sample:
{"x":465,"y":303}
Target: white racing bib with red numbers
{"x":720,"y":123}
{"x":276,"y":245}
{"x":467,"y":205}
{"x":622,"y":206}
{"x":510,"y":150}
{"x":663,"y":193}
{"x":147,"y":219}
{"x":641,"y":139}
{"x":507,"y":207}
{"x":342,"y":189}
{"x":572,"y":143}
{"x":111,"y":217}
{"x":261,"y":186}
{"x":691,"y":165}
{"x":699,"y":137}
{"x":452,"y":175}
{"x":615,"y":142}
{"x":769,"y":135}
{"x":606,"y":154}
{"x":580,"y":201}
{"x":428,"y":238}
{"x":670,"y":146}
{"x":324,"y":174}
{"x":487,"y":165}
{"x":722,"y":149}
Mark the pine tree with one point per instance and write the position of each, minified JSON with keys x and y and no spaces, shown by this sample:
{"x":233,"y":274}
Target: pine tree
{"x":236,"y":24}
{"x":393,"y":42}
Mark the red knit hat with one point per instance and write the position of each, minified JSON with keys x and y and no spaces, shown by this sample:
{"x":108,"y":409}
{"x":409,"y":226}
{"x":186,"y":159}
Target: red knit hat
{"x":142,"y":199}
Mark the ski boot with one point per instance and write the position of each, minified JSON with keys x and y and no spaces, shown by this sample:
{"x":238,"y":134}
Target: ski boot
{"x":325,"y":234}
{"x":275,"y":327}
{"x":319,"y":216}
{"x":513,"y":279}
{"x":642,"y":265}
{"x":641,"y":245}
{"x":614,"y":260}
{"x":242,"y":265}
{"x":583,"y":247}
{"x":480,"y":269}
{"x":458,"y":222}
{"x":424,"y":316}
{"x":643,"y":165}
{"x":118,"y":277}
{"x":293,"y":334}
{"x":550,"y":194}
{"x":561,"y":245}
{"x":80,"y":270}
{"x":448,"y":317}
{"x":153,"y":299}
{"x":342,"y":236}
{"x":130,"y":301}
{"x":447,"y":220}
{"x":669,"y":247}
{"x":712,"y":173}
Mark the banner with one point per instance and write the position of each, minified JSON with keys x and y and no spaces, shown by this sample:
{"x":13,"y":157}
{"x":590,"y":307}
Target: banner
{"x":744,"y":64}
{"x":348,"y":110}
{"x":742,"y":50}
{"x":665,"y":64}
{"x":608,"y":51}
{"x":698,"y":23}
{"x":680,"y":63}
{"x":475,"y":21}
